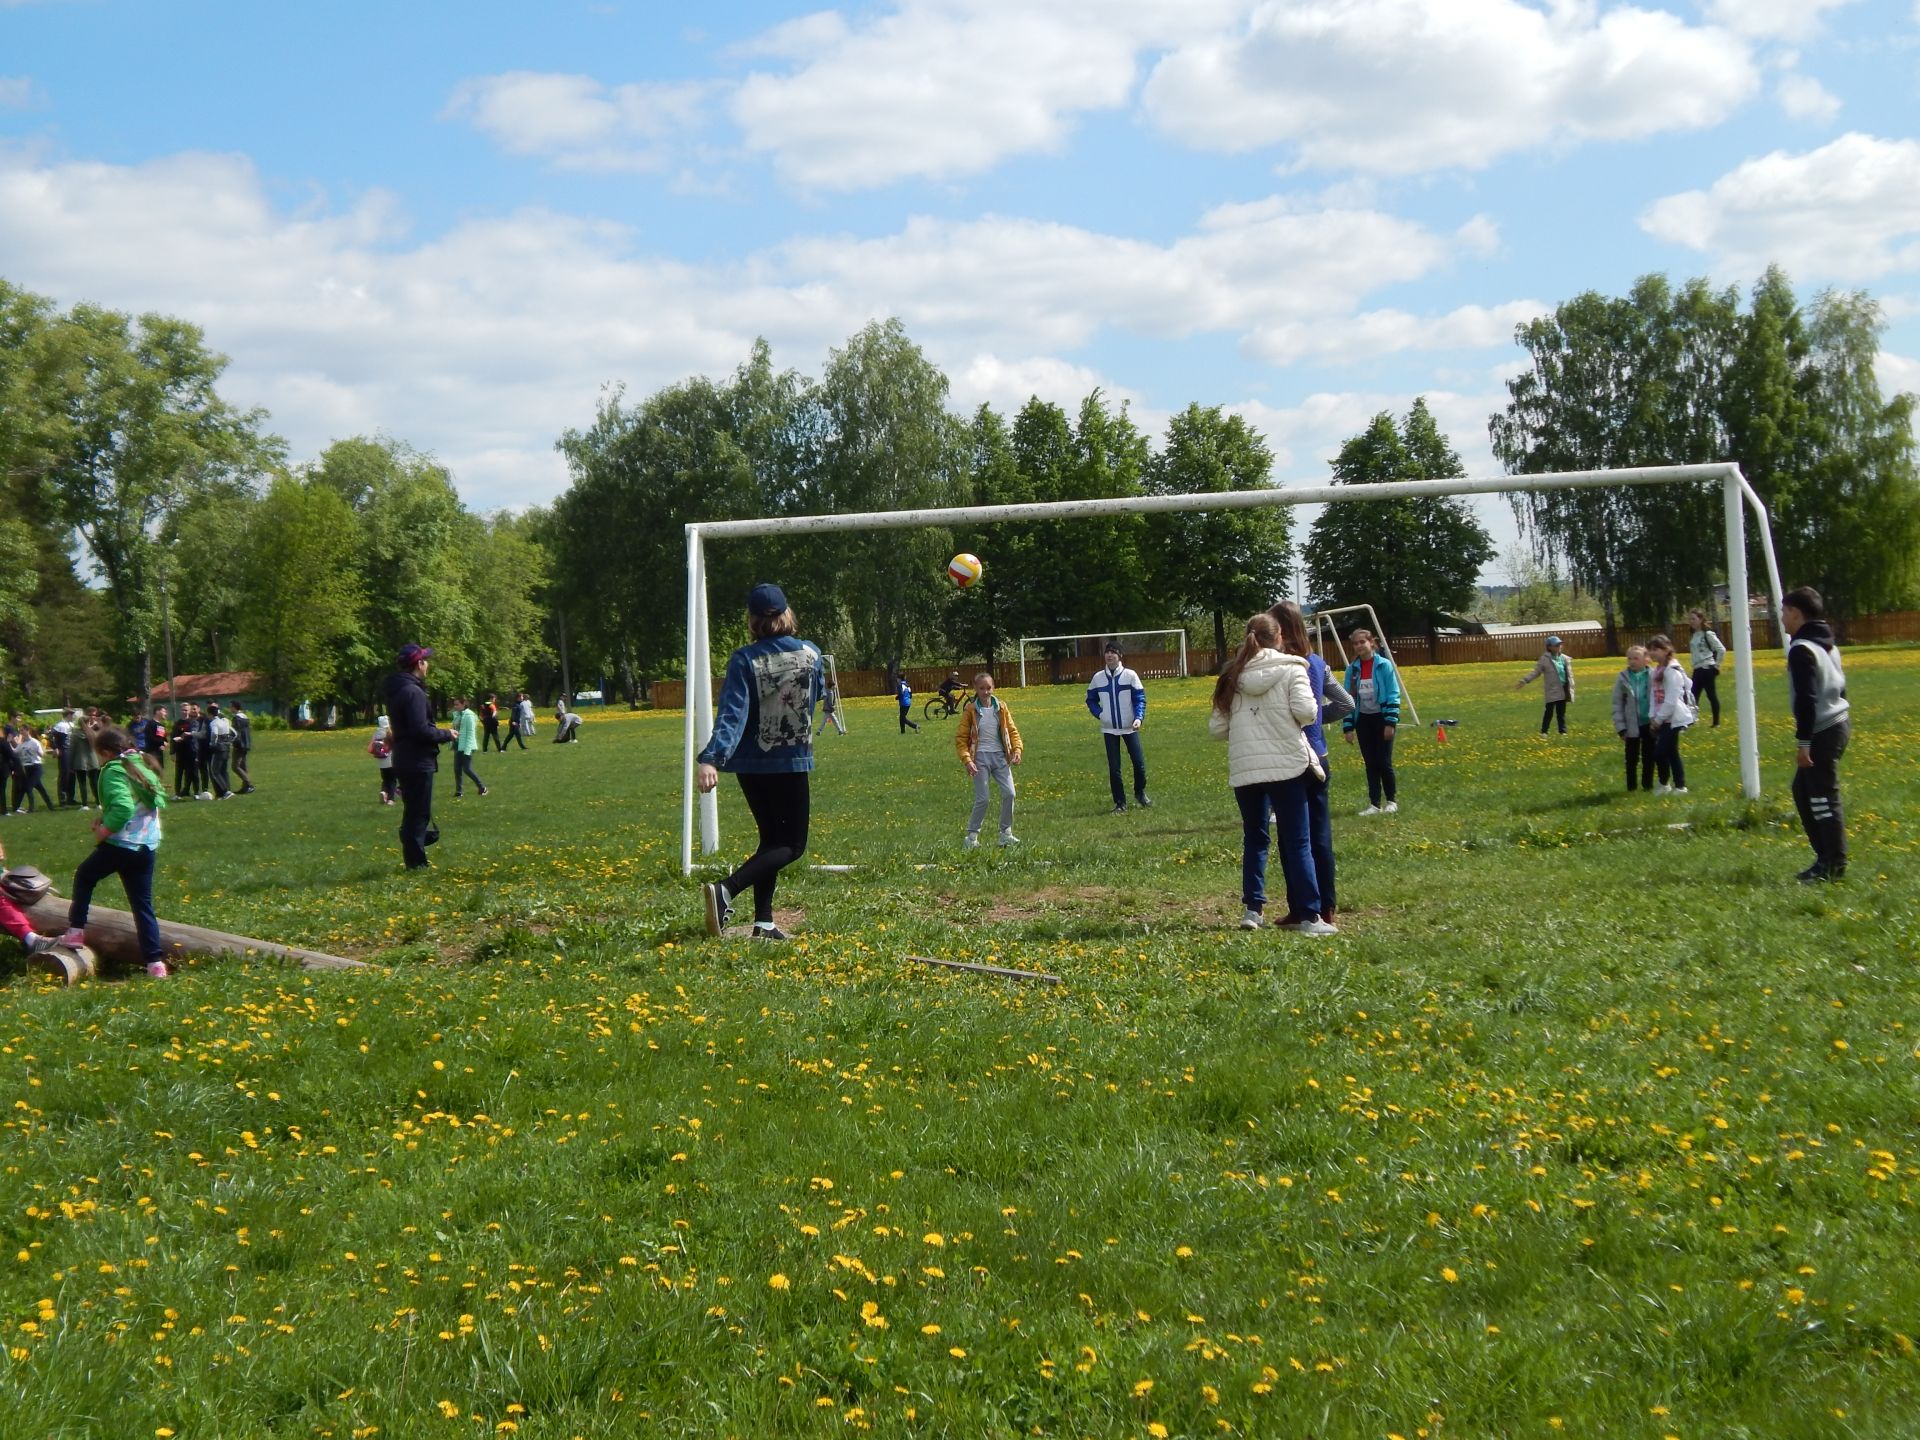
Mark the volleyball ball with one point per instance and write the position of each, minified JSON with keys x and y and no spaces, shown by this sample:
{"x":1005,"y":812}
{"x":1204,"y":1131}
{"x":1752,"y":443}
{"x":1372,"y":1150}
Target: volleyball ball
{"x":963,"y":570}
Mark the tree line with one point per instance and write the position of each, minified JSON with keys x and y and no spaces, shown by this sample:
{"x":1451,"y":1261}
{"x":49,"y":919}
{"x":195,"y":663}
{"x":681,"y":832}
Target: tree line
{"x":138,"y":508}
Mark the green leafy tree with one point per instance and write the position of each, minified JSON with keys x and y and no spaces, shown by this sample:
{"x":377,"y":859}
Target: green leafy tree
{"x":1219,"y":561}
{"x":298,"y":589}
{"x":1852,"y":525}
{"x":1413,"y":560}
{"x":135,"y":430}
{"x":889,"y":443}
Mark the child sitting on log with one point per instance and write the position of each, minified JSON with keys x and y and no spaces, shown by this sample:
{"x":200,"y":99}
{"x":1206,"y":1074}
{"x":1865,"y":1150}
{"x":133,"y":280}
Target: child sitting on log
{"x":131,"y":799}
{"x":15,"y":923}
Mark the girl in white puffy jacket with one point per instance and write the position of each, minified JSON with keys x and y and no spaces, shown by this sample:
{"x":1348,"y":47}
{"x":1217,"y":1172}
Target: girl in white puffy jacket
{"x":1670,"y":712}
{"x":1262,"y":704}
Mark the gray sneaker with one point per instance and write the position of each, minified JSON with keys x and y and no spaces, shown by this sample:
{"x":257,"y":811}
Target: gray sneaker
{"x":1316,"y":926}
{"x":972,"y":842}
{"x":716,"y":901}
{"x":1007,"y":837}
{"x":1251,"y":920}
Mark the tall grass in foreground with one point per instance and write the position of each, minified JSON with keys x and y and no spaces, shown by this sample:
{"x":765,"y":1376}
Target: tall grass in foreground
{"x":1585,"y":1125}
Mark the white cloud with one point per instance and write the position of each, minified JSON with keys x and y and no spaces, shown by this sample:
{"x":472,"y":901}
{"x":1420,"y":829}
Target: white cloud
{"x":1386,"y":332}
{"x":947,"y":88}
{"x":1897,"y":374}
{"x":1772,"y":19}
{"x":577,"y":122}
{"x":1849,"y":211}
{"x":482,"y":343}
{"x":18,"y":92}
{"x":1399,"y":86}
{"x":1805,"y":98}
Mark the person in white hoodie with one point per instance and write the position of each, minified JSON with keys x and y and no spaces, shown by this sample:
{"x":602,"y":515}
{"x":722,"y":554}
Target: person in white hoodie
{"x":1262,"y":705}
{"x":1670,"y":712}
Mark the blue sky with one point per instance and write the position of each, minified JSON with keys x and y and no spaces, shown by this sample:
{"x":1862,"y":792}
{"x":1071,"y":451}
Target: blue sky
{"x":456,"y":223}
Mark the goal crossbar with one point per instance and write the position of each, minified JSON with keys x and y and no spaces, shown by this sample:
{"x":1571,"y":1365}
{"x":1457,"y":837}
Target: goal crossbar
{"x":1737,"y":499}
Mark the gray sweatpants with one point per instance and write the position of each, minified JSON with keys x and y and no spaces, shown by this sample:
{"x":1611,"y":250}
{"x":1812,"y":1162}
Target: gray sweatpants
{"x":996,"y":769}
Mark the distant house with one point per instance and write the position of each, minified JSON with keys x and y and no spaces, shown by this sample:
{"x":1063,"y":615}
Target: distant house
{"x":229,"y":687}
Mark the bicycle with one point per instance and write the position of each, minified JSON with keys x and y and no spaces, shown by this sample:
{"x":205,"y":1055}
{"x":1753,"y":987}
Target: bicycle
{"x":941,"y":708}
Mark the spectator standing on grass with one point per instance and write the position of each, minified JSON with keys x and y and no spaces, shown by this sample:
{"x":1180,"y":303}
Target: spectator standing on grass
{"x":58,"y":738}
{"x":1117,"y":699}
{"x":32,"y":756}
{"x":1670,"y":712}
{"x":128,"y":832}
{"x":1633,"y":715}
{"x":381,"y":748}
{"x":151,"y":736}
{"x":763,"y":735}
{"x":490,"y":725}
{"x":186,"y":753}
{"x":1708,"y":653}
{"x":523,"y":719}
{"x":466,"y":729}
{"x":1822,"y":726}
{"x":1374,"y":684}
{"x":1556,"y":672}
{"x":84,"y":761}
{"x":242,"y":746}
{"x":903,"y":693}
{"x":416,"y":751}
{"x":219,"y":738}
{"x":1262,"y":704}
{"x":1331,"y":702}
{"x":989,"y":746}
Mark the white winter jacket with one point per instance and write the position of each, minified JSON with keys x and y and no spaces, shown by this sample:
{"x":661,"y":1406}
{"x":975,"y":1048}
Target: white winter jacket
{"x":1670,"y":696}
{"x":1265,"y":731}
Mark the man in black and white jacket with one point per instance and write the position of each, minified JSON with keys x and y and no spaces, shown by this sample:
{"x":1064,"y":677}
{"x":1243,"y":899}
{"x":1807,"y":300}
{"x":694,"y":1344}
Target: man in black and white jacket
{"x":1821,"y":730}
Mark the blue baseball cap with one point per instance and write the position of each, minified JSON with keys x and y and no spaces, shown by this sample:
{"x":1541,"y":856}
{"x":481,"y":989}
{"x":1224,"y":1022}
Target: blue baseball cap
{"x":1553,"y":639}
{"x":766,"y":600}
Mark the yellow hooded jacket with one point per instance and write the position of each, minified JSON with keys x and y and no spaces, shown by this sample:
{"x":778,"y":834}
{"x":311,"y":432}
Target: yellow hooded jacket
{"x":967,"y":737}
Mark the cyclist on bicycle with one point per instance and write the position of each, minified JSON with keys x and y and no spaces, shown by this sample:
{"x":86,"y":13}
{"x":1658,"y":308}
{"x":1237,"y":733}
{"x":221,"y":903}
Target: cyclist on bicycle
{"x":951,"y":689}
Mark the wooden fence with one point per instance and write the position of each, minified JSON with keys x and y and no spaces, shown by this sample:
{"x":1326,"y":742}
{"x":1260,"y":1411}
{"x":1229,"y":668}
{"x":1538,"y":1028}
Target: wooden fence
{"x":1408,"y":650}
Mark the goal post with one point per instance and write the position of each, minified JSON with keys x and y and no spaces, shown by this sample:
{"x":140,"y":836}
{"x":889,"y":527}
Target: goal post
{"x":1321,"y":623}
{"x":1737,"y":499}
{"x":1102,"y":635}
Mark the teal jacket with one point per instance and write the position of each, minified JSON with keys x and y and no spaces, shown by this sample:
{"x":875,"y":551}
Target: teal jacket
{"x":1386,"y":689}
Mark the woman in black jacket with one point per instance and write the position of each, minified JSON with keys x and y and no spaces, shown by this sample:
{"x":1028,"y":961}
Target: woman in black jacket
{"x":416,"y":751}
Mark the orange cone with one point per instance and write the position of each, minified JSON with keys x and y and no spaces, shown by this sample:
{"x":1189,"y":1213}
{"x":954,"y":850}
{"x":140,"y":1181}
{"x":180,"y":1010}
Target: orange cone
{"x":1440,"y":733}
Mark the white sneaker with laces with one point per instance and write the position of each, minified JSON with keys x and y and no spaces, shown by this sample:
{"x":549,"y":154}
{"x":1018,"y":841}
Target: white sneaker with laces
{"x":1316,"y":927}
{"x":1371,"y":810}
{"x":1392,"y":807}
{"x":1679,"y":790}
{"x":1250,"y":920}
{"x":1007,"y":837}
{"x":1663,"y":788}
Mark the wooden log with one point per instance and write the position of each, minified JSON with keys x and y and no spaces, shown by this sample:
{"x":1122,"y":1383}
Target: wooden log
{"x":995,"y":970}
{"x":69,"y":966}
{"x":112,"y":935}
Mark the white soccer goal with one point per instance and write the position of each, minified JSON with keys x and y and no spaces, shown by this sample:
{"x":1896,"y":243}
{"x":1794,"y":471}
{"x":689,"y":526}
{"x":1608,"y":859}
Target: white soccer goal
{"x":1737,"y":498}
{"x":1322,"y":623}
{"x":1125,"y":637}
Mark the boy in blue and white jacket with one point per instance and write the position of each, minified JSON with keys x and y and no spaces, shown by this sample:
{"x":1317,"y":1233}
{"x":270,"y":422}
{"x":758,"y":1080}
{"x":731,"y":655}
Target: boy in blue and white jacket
{"x":1375,"y":687}
{"x":904,"y":694}
{"x":1117,"y":699}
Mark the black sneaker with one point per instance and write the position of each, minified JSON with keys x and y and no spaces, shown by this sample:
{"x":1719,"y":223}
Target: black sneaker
{"x":1120,"y":809}
{"x":1819,"y":871}
{"x":768,"y":932}
{"x":714,"y":897}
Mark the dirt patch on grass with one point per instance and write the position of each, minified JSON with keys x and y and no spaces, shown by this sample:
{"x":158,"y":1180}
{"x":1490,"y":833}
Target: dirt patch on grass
{"x":1070,"y":899}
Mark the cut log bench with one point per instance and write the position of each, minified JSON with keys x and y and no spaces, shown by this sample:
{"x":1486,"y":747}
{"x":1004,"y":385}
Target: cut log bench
{"x":115,"y":944}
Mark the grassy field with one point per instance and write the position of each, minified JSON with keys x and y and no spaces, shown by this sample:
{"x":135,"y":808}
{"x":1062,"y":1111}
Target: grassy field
{"x":1585,"y":1125}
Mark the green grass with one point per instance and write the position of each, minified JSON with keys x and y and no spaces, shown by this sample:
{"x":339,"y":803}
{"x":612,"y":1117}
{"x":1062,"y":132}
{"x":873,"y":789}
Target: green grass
{"x":1584,"y":1125}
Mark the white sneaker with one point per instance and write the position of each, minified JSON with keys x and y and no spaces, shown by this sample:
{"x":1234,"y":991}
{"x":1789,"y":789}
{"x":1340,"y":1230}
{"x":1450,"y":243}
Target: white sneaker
{"x":1250,"y":920}
{"x":1679,"y":790}
{"x":1662,"y":788}
{"x":204,"y":795}
{"x":1371,"y":810}
{"x":1390,"y":808}
{"x":1316,"y":927}
{"x":972,"y":842}
{"x":1007,"y":837}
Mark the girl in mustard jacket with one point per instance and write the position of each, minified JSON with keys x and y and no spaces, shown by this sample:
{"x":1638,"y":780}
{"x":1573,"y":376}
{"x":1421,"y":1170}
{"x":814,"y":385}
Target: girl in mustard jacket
{"x":989,"y":746}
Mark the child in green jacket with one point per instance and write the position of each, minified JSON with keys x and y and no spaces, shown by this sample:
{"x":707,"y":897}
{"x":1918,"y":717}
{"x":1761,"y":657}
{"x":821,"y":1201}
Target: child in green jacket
{"x":131,"y":799}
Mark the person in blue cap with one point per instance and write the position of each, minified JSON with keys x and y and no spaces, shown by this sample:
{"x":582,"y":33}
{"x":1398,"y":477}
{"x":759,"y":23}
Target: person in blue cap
{"x":763,"y":735}
{"x":1557,"y":672}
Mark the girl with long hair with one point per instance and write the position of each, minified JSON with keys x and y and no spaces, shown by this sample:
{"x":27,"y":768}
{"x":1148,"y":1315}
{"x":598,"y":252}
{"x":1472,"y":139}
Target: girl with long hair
{"x":1262,"y":704}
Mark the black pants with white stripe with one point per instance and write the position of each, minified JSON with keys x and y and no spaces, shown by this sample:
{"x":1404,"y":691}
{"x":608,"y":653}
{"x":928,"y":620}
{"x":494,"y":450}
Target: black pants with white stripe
{"x":1816,"y":795}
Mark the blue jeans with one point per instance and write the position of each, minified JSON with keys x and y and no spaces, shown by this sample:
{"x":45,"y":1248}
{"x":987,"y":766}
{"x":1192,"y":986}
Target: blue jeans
{"x":1139,"y":757}
{"x":1287,"y":800}
{"x":1320,"y":840}
{"x":135,"y":869}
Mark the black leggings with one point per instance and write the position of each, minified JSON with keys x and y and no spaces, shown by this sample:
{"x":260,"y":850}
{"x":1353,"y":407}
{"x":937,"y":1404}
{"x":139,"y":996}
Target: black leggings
{"x":1556,"y":710}
{"x":1666,"y":756}
{"x":781,"y":806}
{"x":1706,"y":682}
{"x":86,"y":787}
{"x":1376,"y":749}
{"x":1639,"y":761}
